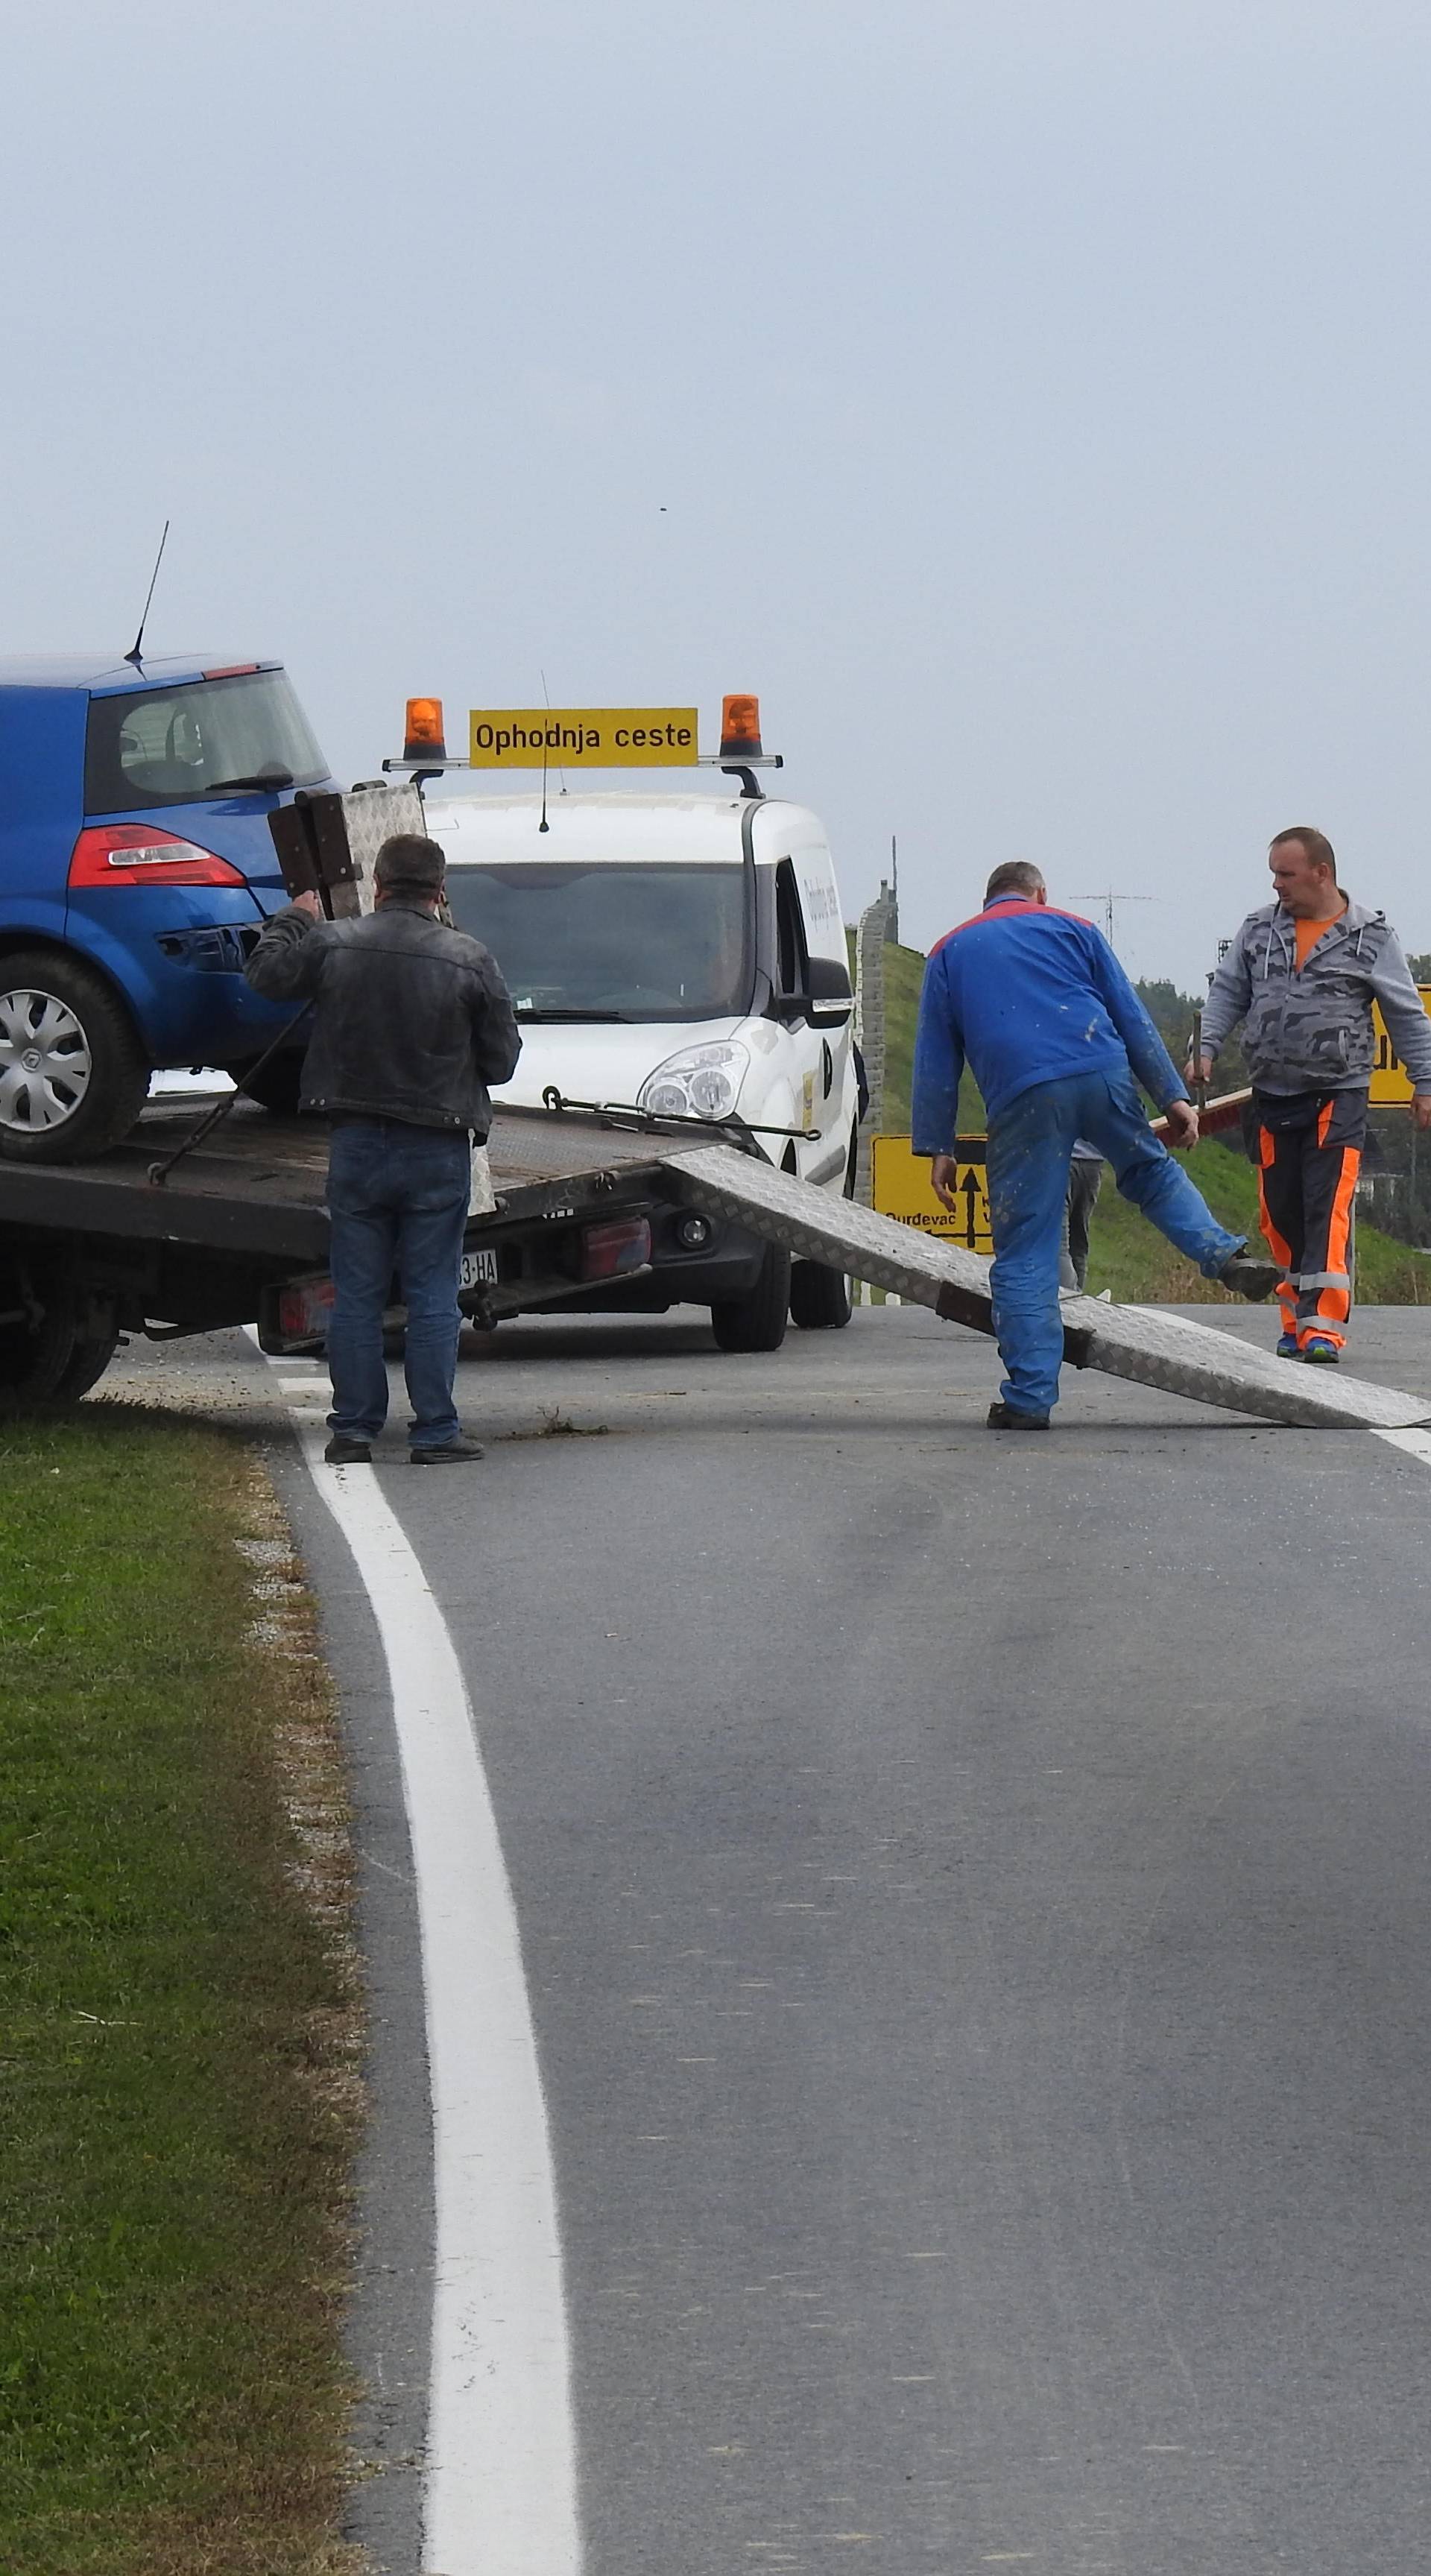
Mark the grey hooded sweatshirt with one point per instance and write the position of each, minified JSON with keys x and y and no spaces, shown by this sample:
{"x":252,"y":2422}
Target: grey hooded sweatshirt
{"x":1311,"y":1029}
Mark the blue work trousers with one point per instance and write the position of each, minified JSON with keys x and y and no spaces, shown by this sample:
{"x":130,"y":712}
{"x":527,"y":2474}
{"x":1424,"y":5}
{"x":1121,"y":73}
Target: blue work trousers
{"x":1030,"y":1146}
{"x":397,"y":1207}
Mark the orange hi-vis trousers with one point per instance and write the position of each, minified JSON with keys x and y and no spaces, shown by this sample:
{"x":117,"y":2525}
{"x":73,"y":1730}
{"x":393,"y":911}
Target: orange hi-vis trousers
{"x":1309,"y":1154}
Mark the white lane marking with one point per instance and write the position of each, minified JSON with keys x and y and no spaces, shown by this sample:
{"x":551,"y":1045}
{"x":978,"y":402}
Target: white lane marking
{"x":1417,"y":1444}
{"x":500,"y":2490}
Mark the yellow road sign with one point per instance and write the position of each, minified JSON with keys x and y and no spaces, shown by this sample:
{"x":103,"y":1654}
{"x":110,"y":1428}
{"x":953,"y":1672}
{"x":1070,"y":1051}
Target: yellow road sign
{"x":583,"y":737}
{"x":900,"y":1188}
{"x":1390,"y":1080}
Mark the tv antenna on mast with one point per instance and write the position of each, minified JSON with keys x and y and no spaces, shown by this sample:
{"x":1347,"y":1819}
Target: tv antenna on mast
{"x":1108,"y":900}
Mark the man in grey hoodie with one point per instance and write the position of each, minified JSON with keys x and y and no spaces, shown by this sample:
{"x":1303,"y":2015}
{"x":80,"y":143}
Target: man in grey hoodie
{"x":1302,"y":975}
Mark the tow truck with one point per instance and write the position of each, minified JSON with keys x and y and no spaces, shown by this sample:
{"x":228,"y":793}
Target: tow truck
{"x":188,"y":1228}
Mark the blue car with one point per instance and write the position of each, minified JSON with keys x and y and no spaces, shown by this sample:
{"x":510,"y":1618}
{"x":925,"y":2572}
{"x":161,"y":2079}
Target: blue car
{"x":136,"y":871}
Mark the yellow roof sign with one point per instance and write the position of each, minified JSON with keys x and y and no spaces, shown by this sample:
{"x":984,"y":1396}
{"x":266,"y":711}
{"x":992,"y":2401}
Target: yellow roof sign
{"x":1390,"y":1081}
{"x":583,"y":738}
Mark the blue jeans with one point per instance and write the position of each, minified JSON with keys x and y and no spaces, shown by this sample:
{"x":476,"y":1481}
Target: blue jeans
{"x":397,"y":1204}
{"x":1030,"y":1144}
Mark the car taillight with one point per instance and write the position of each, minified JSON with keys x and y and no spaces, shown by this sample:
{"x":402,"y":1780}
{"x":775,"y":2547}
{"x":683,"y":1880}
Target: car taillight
{"x":131,"y":854}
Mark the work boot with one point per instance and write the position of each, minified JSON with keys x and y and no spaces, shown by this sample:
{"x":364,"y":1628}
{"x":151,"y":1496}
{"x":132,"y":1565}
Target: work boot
{"x":451,"y":1454}
{"x":1248,"y":1277}
{"x":1007,"y":1417}
{"x":343,"y":1451}
{"x":1320,"y":1350}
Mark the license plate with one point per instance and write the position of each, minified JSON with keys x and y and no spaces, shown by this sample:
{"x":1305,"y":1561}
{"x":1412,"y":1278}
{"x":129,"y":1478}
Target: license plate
{"x":479,"y":1269}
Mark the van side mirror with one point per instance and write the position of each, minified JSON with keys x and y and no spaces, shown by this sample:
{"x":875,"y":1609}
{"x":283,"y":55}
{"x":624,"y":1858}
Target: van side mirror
{"x":827,"y":999}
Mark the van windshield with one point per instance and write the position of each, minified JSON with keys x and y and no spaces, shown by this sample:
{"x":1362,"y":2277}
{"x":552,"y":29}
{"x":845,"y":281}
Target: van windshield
{"x":639,"y":942}
{"x":175,"y":745}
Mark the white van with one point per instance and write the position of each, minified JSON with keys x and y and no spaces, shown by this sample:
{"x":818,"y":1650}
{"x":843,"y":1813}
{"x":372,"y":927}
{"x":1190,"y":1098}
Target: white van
{"x":683,"y":954}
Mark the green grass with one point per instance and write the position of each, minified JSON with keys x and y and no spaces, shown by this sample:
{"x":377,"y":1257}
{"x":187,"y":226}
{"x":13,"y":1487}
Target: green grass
{"x":179,"y":2019}
{"x":1126,"y":1254}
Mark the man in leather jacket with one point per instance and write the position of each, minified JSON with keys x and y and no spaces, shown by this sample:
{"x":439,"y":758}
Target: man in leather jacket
{"x":412,"y":1021}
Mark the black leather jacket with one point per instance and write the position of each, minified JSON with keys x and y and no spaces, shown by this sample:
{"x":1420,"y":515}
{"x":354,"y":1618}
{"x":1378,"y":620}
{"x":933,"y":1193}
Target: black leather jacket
{"x":411,"y":1020}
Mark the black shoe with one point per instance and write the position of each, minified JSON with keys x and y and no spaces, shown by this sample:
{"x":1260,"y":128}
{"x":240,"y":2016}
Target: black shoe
{"x":344,"y":1452}
{"x":1007,"y":1417}
{"x":450,"y":1455}
{"x":1248,"y":1277}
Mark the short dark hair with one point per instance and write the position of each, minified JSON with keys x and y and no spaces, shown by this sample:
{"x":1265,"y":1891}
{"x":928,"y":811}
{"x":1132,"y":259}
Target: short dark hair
{"x":1016,"y":876}
{"x":406,"y":859}
{"x":1318,"y":848}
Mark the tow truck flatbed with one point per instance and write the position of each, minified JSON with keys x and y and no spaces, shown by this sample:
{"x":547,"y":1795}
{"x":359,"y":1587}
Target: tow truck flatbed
{"x":237,"y":1230}
{"x":255,"y":1184}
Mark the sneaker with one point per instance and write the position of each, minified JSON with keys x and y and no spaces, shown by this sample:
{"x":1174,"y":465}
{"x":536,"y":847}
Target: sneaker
{"x":451,"y":1454}
{"x":1321,"y":1350}
{"x":1248,"y":1277}
{"x":1007,"y":1417}
{"x":1288,"y":1347}
{"x":345,"y":1452}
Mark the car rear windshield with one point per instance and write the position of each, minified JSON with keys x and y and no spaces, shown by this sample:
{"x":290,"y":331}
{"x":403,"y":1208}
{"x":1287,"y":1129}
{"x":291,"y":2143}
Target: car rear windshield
{"x":175,"y":745}
{"x":638,"y":942}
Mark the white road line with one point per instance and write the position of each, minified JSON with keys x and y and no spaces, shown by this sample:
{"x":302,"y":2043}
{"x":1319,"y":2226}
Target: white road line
{"x":1417,"y":1444}
{"x":500,"y":2494}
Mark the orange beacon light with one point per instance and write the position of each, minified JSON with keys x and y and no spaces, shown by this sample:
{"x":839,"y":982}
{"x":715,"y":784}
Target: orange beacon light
{"x":740,"y":727}
{"x":423,"y":737}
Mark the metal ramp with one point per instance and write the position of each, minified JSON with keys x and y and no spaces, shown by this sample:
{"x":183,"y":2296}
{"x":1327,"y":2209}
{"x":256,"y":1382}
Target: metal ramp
{"x":1136,"y":1342}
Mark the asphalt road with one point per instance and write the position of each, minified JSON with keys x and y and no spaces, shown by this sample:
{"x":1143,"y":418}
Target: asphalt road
{"x":976,"y":1906}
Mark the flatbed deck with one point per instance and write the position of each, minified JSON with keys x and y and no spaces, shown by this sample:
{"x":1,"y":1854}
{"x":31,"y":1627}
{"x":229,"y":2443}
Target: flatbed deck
{"x":255,"y":1184}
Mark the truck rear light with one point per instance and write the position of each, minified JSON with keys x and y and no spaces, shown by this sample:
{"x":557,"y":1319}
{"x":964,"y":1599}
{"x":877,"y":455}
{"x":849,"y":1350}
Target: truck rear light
{"x":304,"y":1311}
{"x":131,"y":854}
{"x":609,"y":1251}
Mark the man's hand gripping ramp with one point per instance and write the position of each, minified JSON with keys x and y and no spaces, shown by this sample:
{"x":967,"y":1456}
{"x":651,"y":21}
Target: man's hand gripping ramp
{"x":1151,"y":1348}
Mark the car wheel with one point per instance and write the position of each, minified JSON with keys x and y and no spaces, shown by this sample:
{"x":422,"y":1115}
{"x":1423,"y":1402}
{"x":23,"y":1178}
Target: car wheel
{"x":73,"y":1075}
{"x":756,"y":1321}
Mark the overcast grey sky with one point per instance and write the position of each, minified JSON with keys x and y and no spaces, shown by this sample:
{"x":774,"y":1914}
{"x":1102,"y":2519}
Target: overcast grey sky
{"x":1029,"y":401}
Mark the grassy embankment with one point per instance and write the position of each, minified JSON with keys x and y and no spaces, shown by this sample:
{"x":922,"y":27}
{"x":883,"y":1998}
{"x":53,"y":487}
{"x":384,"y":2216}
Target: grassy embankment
{"x":1126,"y":1254}
{"x":180,"y":2013}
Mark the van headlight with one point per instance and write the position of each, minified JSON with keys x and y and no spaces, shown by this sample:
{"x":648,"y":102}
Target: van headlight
{"x":701,"y":1082}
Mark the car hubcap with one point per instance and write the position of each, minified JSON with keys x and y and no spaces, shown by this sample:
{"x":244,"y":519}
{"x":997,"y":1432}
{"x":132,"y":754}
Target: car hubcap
{"x":45,"y":1062}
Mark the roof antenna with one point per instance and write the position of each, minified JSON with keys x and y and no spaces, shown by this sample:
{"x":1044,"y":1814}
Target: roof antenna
{"x":544,"y":825}
{"x":133,"y":654}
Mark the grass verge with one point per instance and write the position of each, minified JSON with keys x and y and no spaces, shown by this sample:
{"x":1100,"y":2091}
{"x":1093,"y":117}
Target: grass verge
{"x":1126,"y":1254}
{"x":180,"y":2006}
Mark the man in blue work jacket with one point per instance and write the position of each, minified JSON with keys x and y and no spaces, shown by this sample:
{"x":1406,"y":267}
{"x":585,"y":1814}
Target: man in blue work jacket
{"x":1037,"y":1005}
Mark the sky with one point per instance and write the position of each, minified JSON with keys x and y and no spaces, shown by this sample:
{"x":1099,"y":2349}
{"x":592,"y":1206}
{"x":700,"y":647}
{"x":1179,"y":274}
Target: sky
{"x":1029,"y":402}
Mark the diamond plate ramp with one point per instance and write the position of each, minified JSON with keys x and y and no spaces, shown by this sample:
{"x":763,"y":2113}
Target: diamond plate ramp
{"x":1142,"y":1343}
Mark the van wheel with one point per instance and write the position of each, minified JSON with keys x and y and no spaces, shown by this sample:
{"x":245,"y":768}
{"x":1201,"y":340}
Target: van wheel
{"x":820,"y":1300}
{"x":73,"y":1076}
{"x":756,"y":1321}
